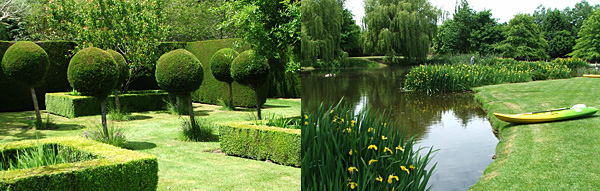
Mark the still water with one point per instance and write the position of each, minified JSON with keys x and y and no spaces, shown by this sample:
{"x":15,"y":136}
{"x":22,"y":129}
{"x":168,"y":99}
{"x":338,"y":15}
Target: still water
{"x":452,"y":123}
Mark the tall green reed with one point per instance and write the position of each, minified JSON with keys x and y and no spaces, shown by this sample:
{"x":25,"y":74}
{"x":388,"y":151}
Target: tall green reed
{"x":344,"y":151}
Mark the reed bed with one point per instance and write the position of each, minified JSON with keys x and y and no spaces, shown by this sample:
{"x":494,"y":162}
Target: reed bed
{"x":464,"y":77}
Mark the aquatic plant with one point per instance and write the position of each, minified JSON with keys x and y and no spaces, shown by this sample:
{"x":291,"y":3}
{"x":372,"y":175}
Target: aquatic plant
{"x":344,"y":151}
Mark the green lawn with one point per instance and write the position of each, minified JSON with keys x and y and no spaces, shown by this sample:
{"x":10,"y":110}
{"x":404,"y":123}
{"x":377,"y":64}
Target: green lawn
{"x":548,"y":156}
{"x":182,"y":165}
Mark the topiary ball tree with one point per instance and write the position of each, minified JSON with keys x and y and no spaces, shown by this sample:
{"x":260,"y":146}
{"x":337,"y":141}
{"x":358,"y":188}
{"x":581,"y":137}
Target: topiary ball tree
{"x":220,"y":65}
{"x":251,"y":69}
{"x":93,"y":71}
{"x":123,"y":74}
{"x":179,"y":72}
{"x":28,"y":63}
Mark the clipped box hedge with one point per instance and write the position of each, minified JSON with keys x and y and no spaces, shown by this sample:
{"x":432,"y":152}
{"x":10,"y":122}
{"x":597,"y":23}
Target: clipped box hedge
{"x":114,"y":168}
{"x":261,"y":142}
{"x":63,"y":104}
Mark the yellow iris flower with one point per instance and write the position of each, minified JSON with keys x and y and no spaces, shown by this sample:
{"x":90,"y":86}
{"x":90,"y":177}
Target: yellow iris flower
{"x":379,"y":179}
{"x":383,"y":137}
{"x":350,"y":152}
{"x":352,"y":185}
{"x":306,"y":123}
{"x":404,"y":169}
{"x":305,"y":116}
{"x":370,"y":129}
{"x":392,"y":177}
{"x":372,"y":161}
{"x":411,"y":167}
{"x":372,"y":147}
{"x":387,"y":149}
{"x":352,"y":169}
{"x":400,"y":148}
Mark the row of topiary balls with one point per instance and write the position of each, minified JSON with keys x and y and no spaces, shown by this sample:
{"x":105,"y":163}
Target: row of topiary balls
{"x":93,"y":71}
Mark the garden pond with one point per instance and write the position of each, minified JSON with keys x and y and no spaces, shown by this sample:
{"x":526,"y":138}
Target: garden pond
{"x":453,"y":123}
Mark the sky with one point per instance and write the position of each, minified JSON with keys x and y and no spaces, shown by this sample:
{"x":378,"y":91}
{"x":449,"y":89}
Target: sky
{"x":503,"y":10}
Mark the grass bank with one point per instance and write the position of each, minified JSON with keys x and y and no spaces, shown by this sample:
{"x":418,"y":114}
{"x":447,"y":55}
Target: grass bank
{"x":182,"y":165}
{"x":546,"y":156}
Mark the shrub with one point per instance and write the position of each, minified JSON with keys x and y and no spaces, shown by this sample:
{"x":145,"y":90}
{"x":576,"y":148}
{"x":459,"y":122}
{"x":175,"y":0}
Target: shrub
{"x":179,"y":72}
{"x":571,"y":63}
{"x":343,"y":151}
{"x":261,"y":142}
{"x":121,"y":65}
{"x":93,"y":71}
{"x":203,"y":131}
{"x":220,"y":64}
{"x":113,"y":168}
{"x":250,"y":69}
{"x":115,"y":136}
{"x":42,"y":155}
{"x":26,"y":62}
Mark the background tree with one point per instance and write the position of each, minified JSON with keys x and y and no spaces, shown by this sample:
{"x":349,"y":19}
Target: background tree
{"x":468,"y":32}
{"x":132,"y":28}
{"x":93,"y":71}
{"x":28,"y":63}
{"x":524,"y":39}
{"x":179,"y":72}
{"x":220,"y":65}
{"x":123,"y":75}
{"x":193,"y":20}
{"x":350,"y":35}
{"x":272,"y":28}
{"x":557,"y":30}
{"x":579,"y":13}
{"x":400,"y":28}
{"x":251,"y":69}
{"x":321,"y":31}
{"x":588,"y":44}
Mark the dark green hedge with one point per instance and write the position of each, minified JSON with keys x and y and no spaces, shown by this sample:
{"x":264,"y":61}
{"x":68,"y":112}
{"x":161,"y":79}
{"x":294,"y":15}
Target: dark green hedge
{"x":211,"y":89}
{"x":114,"y":169}
{"x":261,"y":142}
{"x":75,"y":106}
{"x":16,"y":97}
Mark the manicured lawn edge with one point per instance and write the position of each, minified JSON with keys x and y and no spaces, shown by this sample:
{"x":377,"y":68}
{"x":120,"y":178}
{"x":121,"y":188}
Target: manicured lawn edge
{"x":545,"y":156}
{"x":261,"y":142}
{"x":115,"y":169}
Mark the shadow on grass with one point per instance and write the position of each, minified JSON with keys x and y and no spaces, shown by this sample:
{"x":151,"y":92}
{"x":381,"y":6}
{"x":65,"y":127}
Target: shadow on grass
{"x":139,"y":117}
{"x":135,"y":145}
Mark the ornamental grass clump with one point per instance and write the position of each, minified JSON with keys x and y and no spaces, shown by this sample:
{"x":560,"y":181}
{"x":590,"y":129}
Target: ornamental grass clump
{"x":344,"y":151}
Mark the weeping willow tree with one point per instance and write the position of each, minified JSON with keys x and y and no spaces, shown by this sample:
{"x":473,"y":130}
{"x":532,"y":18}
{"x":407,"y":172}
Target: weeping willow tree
{"x":321,"y":30}
{"x":397,"y":28}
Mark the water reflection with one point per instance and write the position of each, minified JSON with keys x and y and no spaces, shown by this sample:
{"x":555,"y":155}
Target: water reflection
{"x":453,"y":123}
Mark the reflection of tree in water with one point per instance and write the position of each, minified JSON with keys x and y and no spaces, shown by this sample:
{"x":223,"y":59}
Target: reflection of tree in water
{"x":382,"y":91}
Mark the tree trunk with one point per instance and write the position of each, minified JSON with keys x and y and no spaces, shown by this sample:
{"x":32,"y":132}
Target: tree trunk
{"x":231,"y":97}
{"x":257,"y":103}
{"x":103,"y":107}
{"x":117,"y":105}
{"x":38,"y":116}
{"x":191,"y":109}
{"x":178,"y":104}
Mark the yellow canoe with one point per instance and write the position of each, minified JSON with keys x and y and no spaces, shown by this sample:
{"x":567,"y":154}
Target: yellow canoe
{"x":547,"y":116}
{"x":591,"y":75}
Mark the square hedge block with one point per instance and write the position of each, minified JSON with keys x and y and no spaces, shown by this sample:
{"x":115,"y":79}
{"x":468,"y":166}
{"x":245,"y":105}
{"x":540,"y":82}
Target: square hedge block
{"x":113,"y":169}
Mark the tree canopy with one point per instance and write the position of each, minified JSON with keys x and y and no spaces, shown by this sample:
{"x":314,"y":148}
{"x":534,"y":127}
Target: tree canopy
{"x":524,"y":39}
{"x":588,"y":44}
{"x":321,"y":30}
{"x":399,"y":28}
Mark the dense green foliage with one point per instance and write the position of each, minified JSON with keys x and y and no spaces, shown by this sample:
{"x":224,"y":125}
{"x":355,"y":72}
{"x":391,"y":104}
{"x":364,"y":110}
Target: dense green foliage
{"x":121,"y":65}
{"x":350,"y":35}
{"x":524,"y":39}
{"x":463,"y":77}
{"x":588,"y":44}
{"x":250,"y":69}
{"x":26,"y":62}
{"x":557,"y":29}
{"x":116,"y":169}
{"x":468,"y":32}
{"x":261,"y":142}
{"x":571,"y":63}
{"x":400,"y":28}
{"x":93,"y":71}
{"x":220,"y":64}
{"x":179,"y":72}
{"x":321,"y":31}
{"x":70,"y":106}
{"x":132,"y":28}
{"x":41,"y":155}
{"x":346,"y":150}
{"x":192,"y":20}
